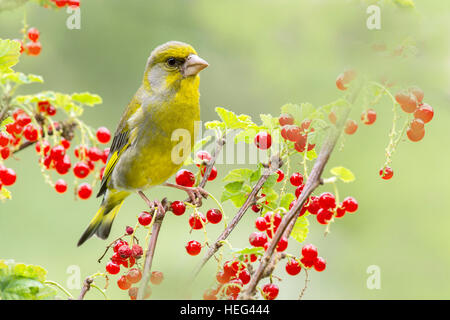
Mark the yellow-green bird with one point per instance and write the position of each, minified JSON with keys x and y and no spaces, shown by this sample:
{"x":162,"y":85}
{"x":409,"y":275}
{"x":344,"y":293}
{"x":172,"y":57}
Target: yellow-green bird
{"x":141,"y":152}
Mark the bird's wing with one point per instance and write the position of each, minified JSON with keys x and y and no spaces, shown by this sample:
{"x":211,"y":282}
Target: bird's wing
{"x":122,"y":140}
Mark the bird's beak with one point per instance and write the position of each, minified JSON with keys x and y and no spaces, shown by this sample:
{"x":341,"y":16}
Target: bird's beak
{"x":193,"y":65}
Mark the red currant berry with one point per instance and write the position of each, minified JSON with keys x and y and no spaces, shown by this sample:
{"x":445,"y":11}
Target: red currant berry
{"x":178,"y":207}
{"x":415,"y":136}
{"x":136,"y":251}
{"x":203,"y":157}
{"x":261,"y":224}
{"x":307,"y":263}
{"x":257,"y":239}
{"x":293,"y":267}
{"x":270,"y":291}
{"x":185,"y":178}
{"x":196,"y":219}
{"x":145,"y":218}
{"x":244,"y":276}
{"x":112,"y":268}
{"x":157,"y":277}
{"x":129,"y":230}
{"x":299,"y":190}
{"x":84,"y":191}
{"x":320,"y":264}
{"x":327,"y":200}
{"x":51,"y":110}
{"x":33,"y":48}
{"x":23,"y":119}
{"x":313,"y":205}
{"x":340,"y":212}
{"x":124,"y":252}
{"x":214,"y":216}
{"x":256,"y":208}
{"x":296,"y":179}
{"x":309,"y":252}
{"x":5,"y":152}
{"x":350,"y":127}
{"x":57,"y":152}
{"x":324,"y":216}
{"x":7,"y":176}
{"x":4,"y":139}
{"x":94,"y":154}
{"x":369,"y":117}
{"x":134,"y":275}
{"x":62,"y":166}
{"x":407,"y":101}
{"x":350,"y":204}
{"x":193,"y":247}
{"x":418,"y":93}
{"x":123,"y":283}
{"x":212,"y":174}
{"x":118,"y":244}
{"x":424,"y":112}
{"x":282,"y":244}
{"x":263,"y":140}
{"x":33,"y":34}
{"x":103,"y":135}
{"x":81,"y":170}
{"x":280,"y":174}
{"x":286,"y":119}
{"x":332,"y":117}
{"x":386,"y":173}
{"x":61,"y":186}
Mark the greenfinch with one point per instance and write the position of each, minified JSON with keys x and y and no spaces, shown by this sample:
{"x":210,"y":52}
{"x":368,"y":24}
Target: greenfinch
{"x":141,"y":152}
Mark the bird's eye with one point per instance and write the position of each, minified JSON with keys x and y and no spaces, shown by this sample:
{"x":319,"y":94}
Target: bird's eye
{"x":171,"y":62}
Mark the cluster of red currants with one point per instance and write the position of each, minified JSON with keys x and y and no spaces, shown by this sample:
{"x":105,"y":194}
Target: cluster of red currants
{"x":126,"y":255}
{"x":232,"y":277}
{"x":325,"y":207}
{"x":197,"y":221}
{"x":296,"y":134}
{"x":411,"y":101}
{"x":32,"y":47}
{"x":52,"y":157}
{"x":310,"y":259}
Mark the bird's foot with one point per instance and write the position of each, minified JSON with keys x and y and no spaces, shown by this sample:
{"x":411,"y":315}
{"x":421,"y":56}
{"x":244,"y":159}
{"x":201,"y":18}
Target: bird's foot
{"x":195,"y":193}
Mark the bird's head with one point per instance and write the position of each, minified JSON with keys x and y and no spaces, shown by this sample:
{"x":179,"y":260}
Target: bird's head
{"x":170,"y":64}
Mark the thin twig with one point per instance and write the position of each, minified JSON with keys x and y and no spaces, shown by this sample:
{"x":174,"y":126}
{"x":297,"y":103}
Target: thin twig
{"x":305,"y":286}
{"x":219,"y":145}
{"x":86,"y":286}
{"x":158,"y":219}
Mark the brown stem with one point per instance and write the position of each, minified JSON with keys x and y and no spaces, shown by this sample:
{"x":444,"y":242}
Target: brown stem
{"x":314,"y":180}
{"x":305,"y":286}
{"x":274,"y":166}
{"x":219,"y":145}
{"x":86,"y":286}
{"x":158,"y":219}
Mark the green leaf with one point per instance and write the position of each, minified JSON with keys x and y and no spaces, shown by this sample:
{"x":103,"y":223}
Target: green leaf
{"x":241,"y":174}
{"x":268,"y":122}
{"x":299,"y":112}
{"x":20,"y":78}
{"x":271,"y":180}
{"x":405,"y":3}
{"x":248,"y":251}
{"x":247,"y":136}
{"x":234,"y":187}
{"x":87,"y":98}
{"x":286,"y":200}
{"x":300,"y":230}
{"x":256,"y":174}
{"x":343,"y":173}
{"x":311,"y":154}
{"x":232,"y":121}
{"x":239,"y":199}
{"x":271,"y":194}
{"x":214,"y":125}
{"x":9,"y":54}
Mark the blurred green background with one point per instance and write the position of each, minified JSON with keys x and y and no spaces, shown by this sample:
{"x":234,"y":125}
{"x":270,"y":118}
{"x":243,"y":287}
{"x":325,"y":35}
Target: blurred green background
{"x":262,"y":54}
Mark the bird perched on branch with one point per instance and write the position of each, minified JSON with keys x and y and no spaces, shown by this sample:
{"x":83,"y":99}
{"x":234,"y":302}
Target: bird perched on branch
{"x":141,"y":154}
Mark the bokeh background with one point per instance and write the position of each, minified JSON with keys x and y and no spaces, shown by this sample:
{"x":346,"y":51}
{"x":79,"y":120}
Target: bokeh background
{"x":262,"y":54}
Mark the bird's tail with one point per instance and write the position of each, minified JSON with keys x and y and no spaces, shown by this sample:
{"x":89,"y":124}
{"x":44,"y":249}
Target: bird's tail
{"x":101,"y":224}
